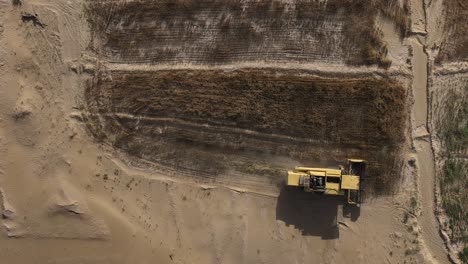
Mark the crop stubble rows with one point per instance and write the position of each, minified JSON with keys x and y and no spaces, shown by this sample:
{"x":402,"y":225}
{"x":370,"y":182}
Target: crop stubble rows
{"x":226,"y":31}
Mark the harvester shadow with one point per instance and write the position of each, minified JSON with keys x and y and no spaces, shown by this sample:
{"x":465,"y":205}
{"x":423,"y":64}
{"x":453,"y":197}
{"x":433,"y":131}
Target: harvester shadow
{"x":313,"y":214}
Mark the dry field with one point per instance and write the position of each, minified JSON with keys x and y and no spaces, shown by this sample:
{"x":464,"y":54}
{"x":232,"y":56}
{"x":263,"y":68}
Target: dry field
{"x":244,"y":121}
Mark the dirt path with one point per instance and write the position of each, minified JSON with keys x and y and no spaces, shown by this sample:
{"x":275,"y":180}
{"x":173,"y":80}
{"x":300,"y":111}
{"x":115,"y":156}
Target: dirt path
{"x":433,"y":245}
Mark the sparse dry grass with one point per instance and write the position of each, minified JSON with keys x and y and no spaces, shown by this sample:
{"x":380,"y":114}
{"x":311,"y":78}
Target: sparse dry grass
{"x":454,"y":176}
{"x":455,"y":132}
{"x":454,"y":182}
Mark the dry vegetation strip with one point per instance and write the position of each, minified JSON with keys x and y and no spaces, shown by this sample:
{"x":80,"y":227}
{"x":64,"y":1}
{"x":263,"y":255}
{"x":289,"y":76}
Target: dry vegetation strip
{"x":213,"y":121}
{"x":454,"y":178}
{"x":221,"y":31}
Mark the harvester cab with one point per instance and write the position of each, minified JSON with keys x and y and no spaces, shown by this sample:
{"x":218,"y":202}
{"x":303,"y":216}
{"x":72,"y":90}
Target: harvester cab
{"x":345,"y":181}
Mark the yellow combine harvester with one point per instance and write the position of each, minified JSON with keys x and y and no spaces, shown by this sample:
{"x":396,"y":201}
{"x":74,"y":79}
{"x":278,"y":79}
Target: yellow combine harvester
{"x":342,"y":181}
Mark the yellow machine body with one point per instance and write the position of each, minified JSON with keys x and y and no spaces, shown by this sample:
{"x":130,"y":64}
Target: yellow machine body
{"x":341,"y":181}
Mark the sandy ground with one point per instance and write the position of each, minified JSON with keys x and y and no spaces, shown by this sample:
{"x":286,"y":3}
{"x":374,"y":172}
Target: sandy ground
{"x":68,"y":199}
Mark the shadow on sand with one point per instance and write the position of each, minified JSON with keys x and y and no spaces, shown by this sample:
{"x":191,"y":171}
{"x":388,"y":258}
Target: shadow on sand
{"x":313,"y":214}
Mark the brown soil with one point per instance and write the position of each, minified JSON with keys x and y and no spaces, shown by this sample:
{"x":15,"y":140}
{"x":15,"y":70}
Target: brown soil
{"x":207,"y":123}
